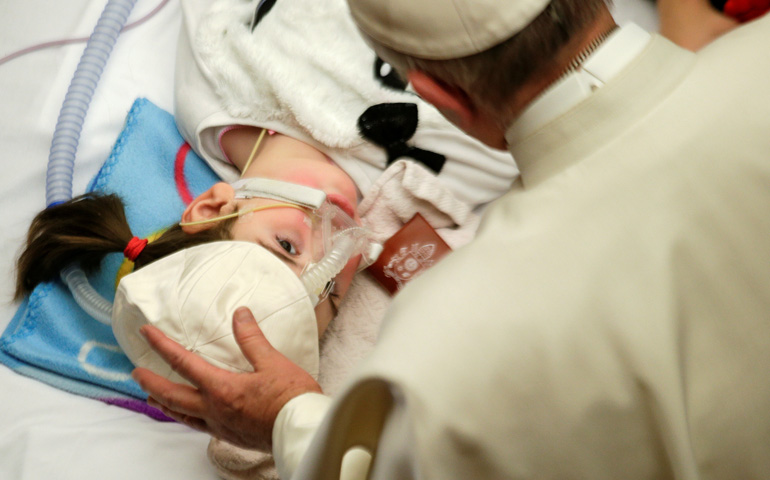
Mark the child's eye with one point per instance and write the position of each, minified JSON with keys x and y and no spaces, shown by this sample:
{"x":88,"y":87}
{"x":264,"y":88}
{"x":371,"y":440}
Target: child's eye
{"x":288,"y":246}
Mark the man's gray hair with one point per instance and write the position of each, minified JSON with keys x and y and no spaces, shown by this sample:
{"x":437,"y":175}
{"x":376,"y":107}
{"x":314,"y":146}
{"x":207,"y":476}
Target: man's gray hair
{"x":491,"y":77}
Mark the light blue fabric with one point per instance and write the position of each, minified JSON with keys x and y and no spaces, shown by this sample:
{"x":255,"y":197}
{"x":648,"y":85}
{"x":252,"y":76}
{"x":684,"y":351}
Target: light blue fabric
{"x":50,"y":338}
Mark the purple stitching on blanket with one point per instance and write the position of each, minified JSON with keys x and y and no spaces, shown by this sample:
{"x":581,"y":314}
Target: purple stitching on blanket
{"x":138,"y":406}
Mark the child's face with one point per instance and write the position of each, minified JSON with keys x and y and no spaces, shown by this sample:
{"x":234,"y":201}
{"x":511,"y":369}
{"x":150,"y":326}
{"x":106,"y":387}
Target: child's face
{"x":285,"y":231}
{"x":287,"y":234}
{"x":284,"y":158}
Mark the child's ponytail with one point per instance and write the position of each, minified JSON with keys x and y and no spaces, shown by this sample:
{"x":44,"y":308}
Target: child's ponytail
{"x":84,"y":230}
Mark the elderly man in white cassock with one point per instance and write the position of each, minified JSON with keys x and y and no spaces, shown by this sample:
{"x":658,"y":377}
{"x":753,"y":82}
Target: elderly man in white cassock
{"x":609,"y":321}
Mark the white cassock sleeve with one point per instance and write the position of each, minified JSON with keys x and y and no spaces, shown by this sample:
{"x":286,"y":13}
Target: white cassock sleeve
{"x":295,"y":427}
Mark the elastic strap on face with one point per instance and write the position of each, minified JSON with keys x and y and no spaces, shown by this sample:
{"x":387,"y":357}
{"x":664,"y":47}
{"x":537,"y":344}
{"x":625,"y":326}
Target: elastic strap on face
{"x":254,"y":151}
{"x":242,"y":212}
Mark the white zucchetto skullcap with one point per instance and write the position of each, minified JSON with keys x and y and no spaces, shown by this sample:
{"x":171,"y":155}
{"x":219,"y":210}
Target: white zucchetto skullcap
{"x":191,"y":296}
{"x":443,"y":29}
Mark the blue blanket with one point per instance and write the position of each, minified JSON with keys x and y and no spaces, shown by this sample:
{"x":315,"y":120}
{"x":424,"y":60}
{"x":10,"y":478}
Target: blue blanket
{"x":50,"y":338}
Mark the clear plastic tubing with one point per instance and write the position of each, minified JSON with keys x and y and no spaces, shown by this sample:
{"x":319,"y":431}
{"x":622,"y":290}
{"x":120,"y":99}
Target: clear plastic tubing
{"x":86,"y":296}
{"x":61,"y":159}
{"x":316,"y":277}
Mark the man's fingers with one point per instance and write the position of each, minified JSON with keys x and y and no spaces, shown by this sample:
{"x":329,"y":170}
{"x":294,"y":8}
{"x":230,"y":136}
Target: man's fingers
{"x":179,"y":398}
{"x":189,"y":420}
{"x":183,"y":362}
{"x":249,"y":336}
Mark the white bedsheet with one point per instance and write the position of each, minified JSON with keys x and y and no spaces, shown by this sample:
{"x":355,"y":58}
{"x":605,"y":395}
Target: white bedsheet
{"x":48,"y":433}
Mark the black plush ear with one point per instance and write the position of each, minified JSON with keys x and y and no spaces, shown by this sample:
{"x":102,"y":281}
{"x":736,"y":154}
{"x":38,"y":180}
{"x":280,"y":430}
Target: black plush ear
{"x":390,"y":126}
{"x":387,"y":75}
{"x":263,"y":7}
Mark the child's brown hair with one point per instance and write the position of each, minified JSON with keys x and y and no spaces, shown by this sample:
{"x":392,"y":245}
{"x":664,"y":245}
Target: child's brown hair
{"x":87,"y":228}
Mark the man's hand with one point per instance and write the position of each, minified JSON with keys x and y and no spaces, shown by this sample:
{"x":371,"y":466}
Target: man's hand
{"x":239,"y":408}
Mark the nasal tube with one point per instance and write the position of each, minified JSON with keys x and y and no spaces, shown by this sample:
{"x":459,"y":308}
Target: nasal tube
{"x":61,"y":159}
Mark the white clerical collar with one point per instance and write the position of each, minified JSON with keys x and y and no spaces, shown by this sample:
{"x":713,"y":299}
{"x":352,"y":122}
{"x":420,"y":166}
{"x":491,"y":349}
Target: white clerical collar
{"x":617,"y":51}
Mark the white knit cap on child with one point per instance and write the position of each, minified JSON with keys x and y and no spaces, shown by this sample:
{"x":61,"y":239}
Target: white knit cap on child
{"x":192,"y":294}
{"x":443,"y":29}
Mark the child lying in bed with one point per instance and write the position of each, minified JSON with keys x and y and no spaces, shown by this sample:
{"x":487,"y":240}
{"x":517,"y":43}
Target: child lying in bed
{"x":87,"y":228}
{"x":301,"y":69}
{"x":341,"y":118}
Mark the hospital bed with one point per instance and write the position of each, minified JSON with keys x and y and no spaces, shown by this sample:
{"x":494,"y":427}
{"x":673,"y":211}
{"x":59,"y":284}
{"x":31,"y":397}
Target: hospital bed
{"x":47,"y":432}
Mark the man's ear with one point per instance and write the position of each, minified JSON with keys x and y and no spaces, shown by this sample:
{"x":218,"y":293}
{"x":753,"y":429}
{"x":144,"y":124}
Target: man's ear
{"x":452,"y":102}
{"x":214,"y":202}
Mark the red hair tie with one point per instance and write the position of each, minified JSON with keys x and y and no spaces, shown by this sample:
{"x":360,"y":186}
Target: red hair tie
{"x":134,"y":248}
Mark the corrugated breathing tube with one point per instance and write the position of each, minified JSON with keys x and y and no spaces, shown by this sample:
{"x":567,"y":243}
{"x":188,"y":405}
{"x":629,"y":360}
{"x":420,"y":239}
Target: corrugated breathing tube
{"x":61,"y":159}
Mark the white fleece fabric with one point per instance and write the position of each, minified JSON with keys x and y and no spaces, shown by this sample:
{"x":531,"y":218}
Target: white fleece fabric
{"x":304,"y":71}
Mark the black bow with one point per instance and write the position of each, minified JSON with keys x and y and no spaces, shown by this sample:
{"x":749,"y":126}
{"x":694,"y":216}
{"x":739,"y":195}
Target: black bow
{"x":390,"y":125}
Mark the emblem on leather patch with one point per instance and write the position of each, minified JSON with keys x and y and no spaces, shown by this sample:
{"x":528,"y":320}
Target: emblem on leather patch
{"x":410,"y":251}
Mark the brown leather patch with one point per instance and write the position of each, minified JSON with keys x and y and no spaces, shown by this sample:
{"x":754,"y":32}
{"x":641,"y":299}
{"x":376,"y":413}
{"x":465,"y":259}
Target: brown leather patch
{"x":413,"y":249}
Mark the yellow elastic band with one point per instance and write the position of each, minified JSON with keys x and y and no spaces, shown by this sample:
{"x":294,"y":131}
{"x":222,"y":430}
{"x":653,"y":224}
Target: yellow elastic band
{"x":254,"y":151}
{"x":243,"y":212}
